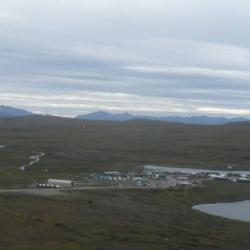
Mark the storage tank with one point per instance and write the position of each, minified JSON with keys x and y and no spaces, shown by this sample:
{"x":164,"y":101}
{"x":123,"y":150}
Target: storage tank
{"x":61,"y":183}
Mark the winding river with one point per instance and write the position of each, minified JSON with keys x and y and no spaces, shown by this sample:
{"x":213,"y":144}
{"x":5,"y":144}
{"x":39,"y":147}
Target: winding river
{"x":33,"y":159}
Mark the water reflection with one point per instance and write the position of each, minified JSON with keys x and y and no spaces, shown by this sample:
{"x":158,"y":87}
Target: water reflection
{"x":230,"y":210}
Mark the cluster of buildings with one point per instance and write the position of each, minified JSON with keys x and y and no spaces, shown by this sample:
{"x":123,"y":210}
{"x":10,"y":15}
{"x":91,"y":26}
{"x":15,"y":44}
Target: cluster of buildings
{"x":231,"y":177}
{"x":138,"y":178}
{"x":189,"y":173}
{"x":153,"y":177}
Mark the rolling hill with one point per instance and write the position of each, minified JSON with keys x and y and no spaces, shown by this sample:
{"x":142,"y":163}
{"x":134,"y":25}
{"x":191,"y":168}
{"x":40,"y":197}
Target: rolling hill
{"x":8,"y":112}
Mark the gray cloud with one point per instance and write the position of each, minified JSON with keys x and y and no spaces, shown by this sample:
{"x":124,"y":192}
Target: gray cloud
{"x":171,"y":57}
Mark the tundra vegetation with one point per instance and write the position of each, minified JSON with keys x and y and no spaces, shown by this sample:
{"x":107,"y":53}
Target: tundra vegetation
{"x":118,"y":219}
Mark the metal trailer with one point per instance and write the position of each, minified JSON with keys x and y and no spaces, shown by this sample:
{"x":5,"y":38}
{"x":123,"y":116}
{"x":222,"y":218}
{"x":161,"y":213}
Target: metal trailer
{"x":42,"y":185}
{"x":61,"y":183}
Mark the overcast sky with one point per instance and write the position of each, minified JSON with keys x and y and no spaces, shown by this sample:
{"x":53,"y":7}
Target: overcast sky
{"x":69,"y":57}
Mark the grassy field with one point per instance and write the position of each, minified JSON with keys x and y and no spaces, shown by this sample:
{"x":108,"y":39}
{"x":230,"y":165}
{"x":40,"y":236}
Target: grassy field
{"x":121,"y":219}
{"x":74,"y":148}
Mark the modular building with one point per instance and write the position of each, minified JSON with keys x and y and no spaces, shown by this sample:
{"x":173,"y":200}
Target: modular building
{"x":61,"y":183}
{"x":112,"y":173}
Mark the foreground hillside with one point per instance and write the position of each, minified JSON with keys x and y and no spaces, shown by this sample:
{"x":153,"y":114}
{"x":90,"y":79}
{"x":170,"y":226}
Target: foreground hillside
{"x":76,"y":147}
{"x":122,"y":219}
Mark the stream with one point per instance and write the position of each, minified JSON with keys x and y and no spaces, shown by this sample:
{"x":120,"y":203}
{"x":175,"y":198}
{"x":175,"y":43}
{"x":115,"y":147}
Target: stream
{"x":33,"y":160}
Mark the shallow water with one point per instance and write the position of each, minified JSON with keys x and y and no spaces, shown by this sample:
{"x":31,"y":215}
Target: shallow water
{"x":34,"y":159}
{"x":230,"y":210}
{"x":190,"y":170}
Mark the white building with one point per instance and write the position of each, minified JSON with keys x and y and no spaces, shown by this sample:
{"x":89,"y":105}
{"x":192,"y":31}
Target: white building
{"x":61,"y":183}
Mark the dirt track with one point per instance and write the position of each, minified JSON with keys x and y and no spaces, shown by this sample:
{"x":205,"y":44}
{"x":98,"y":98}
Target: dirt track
{"x":61,"y":191}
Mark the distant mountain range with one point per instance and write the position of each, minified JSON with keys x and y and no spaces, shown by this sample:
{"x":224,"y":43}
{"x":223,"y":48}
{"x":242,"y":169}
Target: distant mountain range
{"x":105,"y":116}
{"x":206,"y":120}
{"x":8,"y":112}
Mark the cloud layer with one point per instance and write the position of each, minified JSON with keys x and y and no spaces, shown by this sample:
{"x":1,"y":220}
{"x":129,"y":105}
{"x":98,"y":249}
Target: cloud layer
{"x":165,"y":57}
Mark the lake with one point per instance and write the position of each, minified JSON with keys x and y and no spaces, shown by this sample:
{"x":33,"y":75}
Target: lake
{"x":230,"y":210}
{"x":190,"y":170}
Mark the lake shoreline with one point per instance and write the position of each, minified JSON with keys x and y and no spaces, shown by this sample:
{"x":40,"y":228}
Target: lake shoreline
{"x":236,"y":210}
